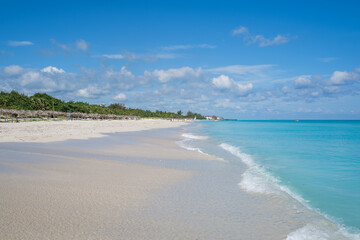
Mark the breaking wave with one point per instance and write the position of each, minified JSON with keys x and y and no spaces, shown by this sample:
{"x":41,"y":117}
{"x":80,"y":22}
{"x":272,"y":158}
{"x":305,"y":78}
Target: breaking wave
{"x":192,"y":136}
{"x":257,"y":179}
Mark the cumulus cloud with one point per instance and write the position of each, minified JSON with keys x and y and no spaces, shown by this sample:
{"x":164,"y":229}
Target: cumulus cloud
{"x":303,"y":81}
{"x":82,"y":45}
{"x":244,"y":89}
{"x":342,"y":78}
{"x":53,"y":79}
{"x":174,"y":73}
{"x":123,"y":79}
{"x":38,"y":82}
{"x":312,"y":87}
{"x":19,"y":43}
{"x":13,"y":70}
{"x":225,"y":82}
{"x":260,"y":39}
{"x":120,"y":97}
{"x":48,"y":79}
{"x":91,"y":91}
{"x":124,"y":72}
{"x":222,"y":82}
{"x":52,"y":70}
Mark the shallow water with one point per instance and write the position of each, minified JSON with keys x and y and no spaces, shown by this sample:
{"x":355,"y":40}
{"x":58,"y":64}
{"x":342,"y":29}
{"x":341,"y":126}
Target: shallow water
{"x":316,"y":163}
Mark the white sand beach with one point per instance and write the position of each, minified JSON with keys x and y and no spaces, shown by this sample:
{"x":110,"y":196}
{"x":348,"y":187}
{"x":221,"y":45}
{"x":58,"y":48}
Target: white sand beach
{"x":48,"y":131}
{"x":59,"y":196}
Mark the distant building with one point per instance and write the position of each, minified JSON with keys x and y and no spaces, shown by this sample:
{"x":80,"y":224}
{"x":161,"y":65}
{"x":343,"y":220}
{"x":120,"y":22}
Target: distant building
{"x":211,"y":117}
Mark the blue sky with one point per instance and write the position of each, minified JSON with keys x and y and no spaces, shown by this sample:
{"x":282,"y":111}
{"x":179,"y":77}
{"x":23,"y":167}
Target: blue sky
{"x":236,"y":59}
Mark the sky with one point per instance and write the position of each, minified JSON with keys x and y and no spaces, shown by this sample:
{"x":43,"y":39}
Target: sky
{"x":235,"y":59}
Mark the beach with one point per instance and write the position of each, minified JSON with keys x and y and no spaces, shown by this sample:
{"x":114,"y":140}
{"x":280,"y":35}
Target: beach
{"x":131,"y":181}
{"x":50,"y":131}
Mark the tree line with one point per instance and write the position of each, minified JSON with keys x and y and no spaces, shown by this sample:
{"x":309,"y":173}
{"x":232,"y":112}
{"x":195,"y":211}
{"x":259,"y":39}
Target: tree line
{"x":43,"y":101}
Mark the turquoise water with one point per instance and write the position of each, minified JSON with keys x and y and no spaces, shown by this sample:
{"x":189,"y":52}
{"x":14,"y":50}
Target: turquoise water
{"x":316,"y":162}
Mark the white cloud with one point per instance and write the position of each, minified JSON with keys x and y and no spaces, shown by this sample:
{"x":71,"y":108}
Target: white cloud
{"x":113,"y":56}
{"x":52,"y":70}
{"x":241,"y":30}
{"x":124,"y":72}
{"x":49,"y":79}
{"x":123,"y":79}
{"x":260,"y":39}
{"x":32,"y":77}
{"x":341,"y":78}
{"x":311,"y":87}
{"x":243,"y":89}
{"x":303,"y":81}
{"x":285,"y":89}
{"x":222,"y":82}
{"x":19,"y":43}
{"x":35,"y":81}
{"x":264,"y":42}
{"x":92,"y":91}
{"x":120,"y":97}
{"x":82,"y":45}
{"x":175,"y":73}
{"x":13,"y":70}
{"x":225,"y":82}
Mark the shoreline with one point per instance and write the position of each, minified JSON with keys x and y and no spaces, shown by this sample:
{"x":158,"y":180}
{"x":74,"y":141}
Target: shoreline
{"x":131,"y":185}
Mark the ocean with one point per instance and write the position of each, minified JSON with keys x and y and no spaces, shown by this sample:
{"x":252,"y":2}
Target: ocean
{"x":314,"y":163}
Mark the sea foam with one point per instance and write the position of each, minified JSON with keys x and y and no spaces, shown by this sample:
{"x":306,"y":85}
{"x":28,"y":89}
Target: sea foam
{"x":183,"y":145}
{"x":322,"y":231}
{"x":308,"y":232}
{"x":257,"y":179}
{"x":188,"y":138}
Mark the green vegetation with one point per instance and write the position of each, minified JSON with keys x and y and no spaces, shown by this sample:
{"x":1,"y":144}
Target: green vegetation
{"x":43,"y":101}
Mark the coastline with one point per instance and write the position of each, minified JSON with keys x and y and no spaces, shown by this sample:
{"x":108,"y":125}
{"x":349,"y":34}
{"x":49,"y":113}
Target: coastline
{"x":132,"y":185}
